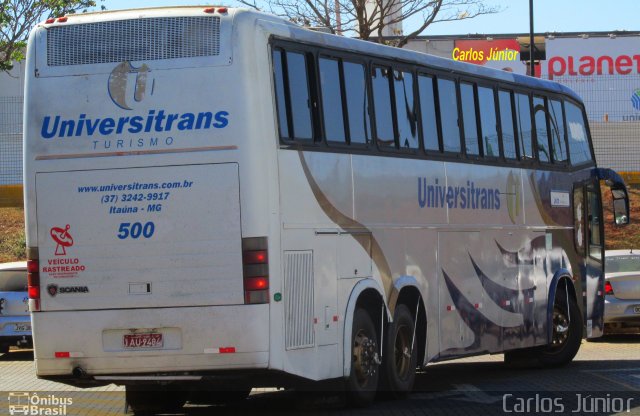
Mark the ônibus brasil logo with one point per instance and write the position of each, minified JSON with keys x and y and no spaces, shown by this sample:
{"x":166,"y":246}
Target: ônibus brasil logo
{"x":154,"y":120}
{"x":635,"y":99}
{"x":62,"y":238}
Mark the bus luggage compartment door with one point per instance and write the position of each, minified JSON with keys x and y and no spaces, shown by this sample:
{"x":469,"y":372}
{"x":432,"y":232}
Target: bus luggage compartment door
{"x":140,"y":237}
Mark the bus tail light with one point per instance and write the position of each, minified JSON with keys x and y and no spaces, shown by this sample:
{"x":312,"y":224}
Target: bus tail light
{"x":608,"y":289}
{"x":33,"y":283}
{"x":255,"y":270}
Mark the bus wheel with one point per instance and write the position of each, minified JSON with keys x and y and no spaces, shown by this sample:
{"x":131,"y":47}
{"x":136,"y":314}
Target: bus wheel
{"x":400,"y":356}
{"x":363,"y":379}
{"x":566,"y":334}
{"x":145,"y":399}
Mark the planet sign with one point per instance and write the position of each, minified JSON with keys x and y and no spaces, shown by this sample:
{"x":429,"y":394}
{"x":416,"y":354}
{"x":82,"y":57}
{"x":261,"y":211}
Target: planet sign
{"x":63,"y":239}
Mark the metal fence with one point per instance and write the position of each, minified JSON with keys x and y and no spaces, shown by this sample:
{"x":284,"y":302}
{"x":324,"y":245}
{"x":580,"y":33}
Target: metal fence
{"x":613,"y":108}
{"x":10,"y":140}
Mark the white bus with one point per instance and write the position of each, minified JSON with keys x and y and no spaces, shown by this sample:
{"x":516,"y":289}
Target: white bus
{"x":217,"y":197}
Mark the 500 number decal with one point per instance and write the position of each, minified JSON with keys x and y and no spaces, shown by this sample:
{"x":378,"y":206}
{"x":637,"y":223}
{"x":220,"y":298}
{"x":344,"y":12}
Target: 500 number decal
{"x":136,"y":230}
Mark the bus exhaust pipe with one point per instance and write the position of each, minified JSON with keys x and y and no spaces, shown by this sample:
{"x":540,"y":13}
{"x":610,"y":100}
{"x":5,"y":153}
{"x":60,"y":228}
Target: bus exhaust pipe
{"x":79,"y":372}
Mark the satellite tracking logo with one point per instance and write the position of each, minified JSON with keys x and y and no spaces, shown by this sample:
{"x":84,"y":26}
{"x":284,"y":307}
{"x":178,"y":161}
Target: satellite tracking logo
{"x":119,"y":80}
{"x":62,"y":238}
{"x":635,"y":99}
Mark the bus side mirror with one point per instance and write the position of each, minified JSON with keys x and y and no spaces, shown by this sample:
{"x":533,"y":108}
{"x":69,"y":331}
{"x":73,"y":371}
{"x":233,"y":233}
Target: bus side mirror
{"x":620,"y":206}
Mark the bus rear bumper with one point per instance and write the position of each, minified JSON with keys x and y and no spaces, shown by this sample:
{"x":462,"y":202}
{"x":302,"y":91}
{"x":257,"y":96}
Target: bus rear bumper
{"x":85,"y":345}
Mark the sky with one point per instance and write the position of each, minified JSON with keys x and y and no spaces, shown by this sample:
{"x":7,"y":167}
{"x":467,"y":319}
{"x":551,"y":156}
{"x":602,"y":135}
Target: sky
{"x":549,"y":16}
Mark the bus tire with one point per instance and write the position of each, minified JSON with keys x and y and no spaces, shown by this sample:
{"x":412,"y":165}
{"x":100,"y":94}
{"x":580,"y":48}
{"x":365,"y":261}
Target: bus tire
{"x":145,"y":399}
{"x":398,"y":371}
{"x":362,"y":383}
{"x":566,"y":333}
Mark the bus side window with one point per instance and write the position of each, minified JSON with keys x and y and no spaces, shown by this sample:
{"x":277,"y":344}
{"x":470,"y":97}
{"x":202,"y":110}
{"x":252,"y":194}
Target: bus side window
{"x":509,"y":139}
{"x":449,"y":115}
{"x":469,"y":119}
{"x":488,"y":122}
{"x":382,"y":107}
{"x":357,"y":103}
{"x":542,"y":135}
{"x":523,"y":116}
{"x":579,"y":150}
{"x":332,"y":113}
{"x":558,"y":143}
{"x":428,"y":113}
{"x":299,"y":96}
{"x":405,"y":109}
{"x":281,"y":104}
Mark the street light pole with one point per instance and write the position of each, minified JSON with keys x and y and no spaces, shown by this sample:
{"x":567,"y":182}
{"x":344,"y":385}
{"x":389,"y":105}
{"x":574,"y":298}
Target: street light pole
{"x":531,"y":40}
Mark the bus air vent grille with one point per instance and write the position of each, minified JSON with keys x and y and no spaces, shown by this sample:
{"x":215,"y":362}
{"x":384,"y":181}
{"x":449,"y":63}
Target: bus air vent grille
{"x":298,"y":299}
{"x":133,"y":40}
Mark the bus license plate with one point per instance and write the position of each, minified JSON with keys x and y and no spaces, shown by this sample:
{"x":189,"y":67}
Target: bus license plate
{"x":636,"y":309}
{"x":151,"y":340}
{"x":22,"y":327}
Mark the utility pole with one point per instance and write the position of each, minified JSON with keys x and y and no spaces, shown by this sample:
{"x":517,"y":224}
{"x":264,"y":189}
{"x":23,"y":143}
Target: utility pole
{"x":531,"y":40}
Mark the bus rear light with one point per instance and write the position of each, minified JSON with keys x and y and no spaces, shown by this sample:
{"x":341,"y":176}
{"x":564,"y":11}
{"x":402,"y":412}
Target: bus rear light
{"x":222,"y":10}
{"x":68,"y":354}
{"x":256,"y":297}
{"x":255,"y":270}
{"x":210,"y":10}
{"x":255,"y":257}
{"x":50,"y":20}
{"x":34,"y":292}
{"x":608,"y":289}
{"x":33,"y":284}
{"x":62,"y":19}
{"x":256,"y":283}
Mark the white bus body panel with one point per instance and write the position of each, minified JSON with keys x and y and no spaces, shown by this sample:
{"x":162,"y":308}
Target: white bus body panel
{"x":184,"y":249}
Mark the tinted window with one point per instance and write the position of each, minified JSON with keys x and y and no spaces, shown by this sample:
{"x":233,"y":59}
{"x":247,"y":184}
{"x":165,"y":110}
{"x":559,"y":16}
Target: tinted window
{"x":299,"y":95}
{"x":578,"y":139}
{"x":357,"y":104}
{"x":331,"y":100}
{"x":449,"y":115}
{"x":469,"y":119}
{"x":488,"y":122}
{"x":406,"y":109}
{"x":509,"y":140}
{"x":428,"y":113}
{"x":382,"y":106}
{"x":556,"y":121}
{"x":523,"y":114}
{"x":542,"y":135}
{"x":283,"y":126}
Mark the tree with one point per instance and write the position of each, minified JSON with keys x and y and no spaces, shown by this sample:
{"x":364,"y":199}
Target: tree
{"x":367,"y":19}
{"x":18,"y":17}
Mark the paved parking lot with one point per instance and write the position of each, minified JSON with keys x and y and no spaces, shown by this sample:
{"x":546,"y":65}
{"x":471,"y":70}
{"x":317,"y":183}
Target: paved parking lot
{"x":603,"y":379}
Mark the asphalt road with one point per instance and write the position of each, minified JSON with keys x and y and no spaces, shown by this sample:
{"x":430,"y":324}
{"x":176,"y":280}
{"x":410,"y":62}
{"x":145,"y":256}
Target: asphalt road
{"x":604,"y":379}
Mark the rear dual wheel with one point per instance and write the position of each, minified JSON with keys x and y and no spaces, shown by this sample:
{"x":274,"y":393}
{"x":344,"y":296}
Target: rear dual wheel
{"x":400,"y":355}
